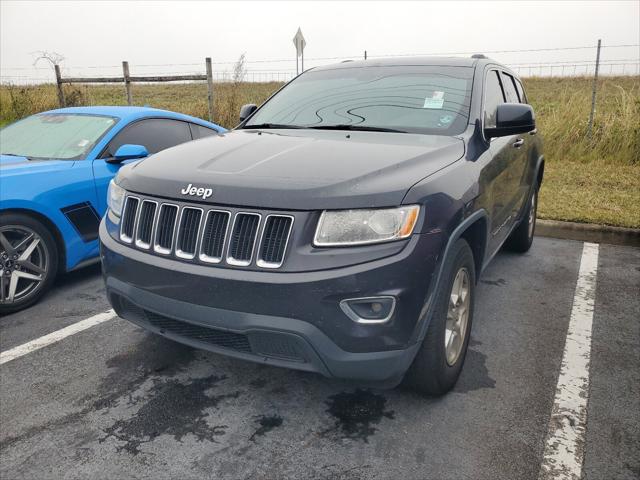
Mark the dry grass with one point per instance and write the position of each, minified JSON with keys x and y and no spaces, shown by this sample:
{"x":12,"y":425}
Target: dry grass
{"x":17,"y":102}
{"x":593,"y":179}
{"x":562,"y":111}
{"x":591,"y":193}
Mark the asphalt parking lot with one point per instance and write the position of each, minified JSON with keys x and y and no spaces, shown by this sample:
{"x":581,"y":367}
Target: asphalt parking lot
{"x":113,"y":401}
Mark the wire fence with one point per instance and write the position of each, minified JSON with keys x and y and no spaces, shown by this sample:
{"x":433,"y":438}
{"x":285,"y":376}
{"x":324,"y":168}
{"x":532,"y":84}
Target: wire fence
{"x":620,"y":59}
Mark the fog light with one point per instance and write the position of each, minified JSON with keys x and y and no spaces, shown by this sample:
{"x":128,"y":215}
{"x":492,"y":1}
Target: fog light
{"x":369,"y":309}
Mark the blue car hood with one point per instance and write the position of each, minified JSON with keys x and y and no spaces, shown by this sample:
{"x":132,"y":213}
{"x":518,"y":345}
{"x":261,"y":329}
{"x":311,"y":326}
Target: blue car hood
{"x":10,"y":165}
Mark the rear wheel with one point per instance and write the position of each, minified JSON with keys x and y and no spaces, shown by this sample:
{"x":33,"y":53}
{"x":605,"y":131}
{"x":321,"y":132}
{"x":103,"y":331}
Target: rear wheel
{"x":28,"y":261}
{"x":438,"y":364}
{"x":521,"y":238}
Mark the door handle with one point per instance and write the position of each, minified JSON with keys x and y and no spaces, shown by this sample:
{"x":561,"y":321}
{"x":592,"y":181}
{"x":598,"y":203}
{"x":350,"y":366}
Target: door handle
{"x":518,"y":143}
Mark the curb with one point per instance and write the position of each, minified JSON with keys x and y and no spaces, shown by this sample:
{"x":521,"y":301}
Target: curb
{"x":588,"y":232}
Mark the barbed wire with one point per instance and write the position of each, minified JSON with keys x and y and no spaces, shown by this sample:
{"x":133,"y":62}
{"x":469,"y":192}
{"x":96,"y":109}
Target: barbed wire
{"x":372,"y":55}
{"x":530,"y":70}
{"x":620,"y":65}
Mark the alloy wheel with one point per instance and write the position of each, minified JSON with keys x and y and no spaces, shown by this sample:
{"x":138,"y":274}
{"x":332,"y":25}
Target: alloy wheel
{"x":457,"y":316}
{"x":24,"y":262}
{"x":532,"y":213}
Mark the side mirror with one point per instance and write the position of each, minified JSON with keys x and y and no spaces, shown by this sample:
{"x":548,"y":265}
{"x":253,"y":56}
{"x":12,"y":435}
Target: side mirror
{"x":512,"y":118}
{"x":247,"y":110}
{"x":128,"y":152}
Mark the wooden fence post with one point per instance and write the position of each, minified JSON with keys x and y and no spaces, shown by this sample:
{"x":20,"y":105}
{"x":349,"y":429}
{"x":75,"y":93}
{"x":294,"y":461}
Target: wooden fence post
{"x":210,"y":87}
{"x":127,"y":82}
{"x":59,"y":82}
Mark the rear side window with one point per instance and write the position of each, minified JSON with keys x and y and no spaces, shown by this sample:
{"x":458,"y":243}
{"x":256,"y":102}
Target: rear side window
{"x":493,"y":97}
{"x":509,"y":88}
{"x":198,"y":131}
{"x":155,"y":134}
{"x":521,"y":94}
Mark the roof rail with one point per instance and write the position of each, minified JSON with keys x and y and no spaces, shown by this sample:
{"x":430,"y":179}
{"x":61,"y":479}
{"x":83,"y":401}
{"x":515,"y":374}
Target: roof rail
{"x":478,"y":55}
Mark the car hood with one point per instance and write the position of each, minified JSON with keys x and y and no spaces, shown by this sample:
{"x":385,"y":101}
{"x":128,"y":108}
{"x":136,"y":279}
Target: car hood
{"x":295,"y":169}
{"x":12,"y":165}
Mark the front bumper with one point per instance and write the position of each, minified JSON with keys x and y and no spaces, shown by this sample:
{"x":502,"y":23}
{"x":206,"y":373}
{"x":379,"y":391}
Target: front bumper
{"x":289,"y":319}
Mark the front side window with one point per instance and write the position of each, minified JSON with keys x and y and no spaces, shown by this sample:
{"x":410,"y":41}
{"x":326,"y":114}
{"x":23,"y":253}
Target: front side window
{"x":416,"y":99}
{"x":154,"y":134}
{"x":493,"y":97}
{"x":49,"y":136}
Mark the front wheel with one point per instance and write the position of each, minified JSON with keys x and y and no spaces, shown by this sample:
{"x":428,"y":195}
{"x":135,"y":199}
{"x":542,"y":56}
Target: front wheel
{"x":438,"y":364}
{"x":28,"y":261}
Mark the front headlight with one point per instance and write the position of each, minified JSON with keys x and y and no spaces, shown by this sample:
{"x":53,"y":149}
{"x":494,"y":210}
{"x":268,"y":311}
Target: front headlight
{"x":359,"y":227}
{"x":115,"y":198}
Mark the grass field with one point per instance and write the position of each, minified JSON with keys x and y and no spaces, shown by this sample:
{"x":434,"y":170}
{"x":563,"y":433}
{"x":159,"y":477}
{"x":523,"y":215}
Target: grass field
{"x":594,"y":180}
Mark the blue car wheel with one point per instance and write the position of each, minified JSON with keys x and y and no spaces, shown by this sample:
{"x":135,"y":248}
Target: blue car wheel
{"x":28,"y":261}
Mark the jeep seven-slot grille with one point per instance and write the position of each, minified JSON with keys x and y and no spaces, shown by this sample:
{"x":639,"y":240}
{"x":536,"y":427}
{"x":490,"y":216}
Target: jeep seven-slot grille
{"x":129,"y":219}
{"x":207,"y":235}
{"x":145,"y":224}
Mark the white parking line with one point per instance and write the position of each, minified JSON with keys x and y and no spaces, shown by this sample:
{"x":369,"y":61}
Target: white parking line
{"x":54,"y":337}
{"x":565,"y":443}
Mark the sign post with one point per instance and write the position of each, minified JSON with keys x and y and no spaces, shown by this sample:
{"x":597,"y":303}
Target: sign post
{"x":300,"y":43}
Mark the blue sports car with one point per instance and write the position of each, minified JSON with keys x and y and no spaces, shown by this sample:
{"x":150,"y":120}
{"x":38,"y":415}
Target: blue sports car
{"x":55,"y":168}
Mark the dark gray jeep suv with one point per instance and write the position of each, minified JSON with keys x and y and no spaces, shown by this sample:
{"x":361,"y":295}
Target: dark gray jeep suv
{"x":340,"y":228}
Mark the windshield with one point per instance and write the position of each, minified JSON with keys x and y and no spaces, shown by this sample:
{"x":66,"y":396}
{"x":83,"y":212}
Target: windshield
{"x":417,"y":99}
{"x":54,"y":136}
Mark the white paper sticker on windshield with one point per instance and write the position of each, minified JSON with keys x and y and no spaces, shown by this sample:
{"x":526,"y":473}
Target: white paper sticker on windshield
{"x":436,"y":101}
{"x":83,"y":143}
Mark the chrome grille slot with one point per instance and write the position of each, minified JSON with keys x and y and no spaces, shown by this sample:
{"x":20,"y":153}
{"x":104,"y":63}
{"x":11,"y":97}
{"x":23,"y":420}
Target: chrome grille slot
{"x":243,"y":239}
{"x":127,"y":227}
{"x":214,"y":233}
{"x":275,"y":238}
{"x":188,"y":232}
{"x":165,"y":227}
{"x":145,"y":224}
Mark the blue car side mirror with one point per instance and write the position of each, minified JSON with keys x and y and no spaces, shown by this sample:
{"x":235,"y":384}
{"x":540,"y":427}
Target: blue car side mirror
{"x":128,"y":152}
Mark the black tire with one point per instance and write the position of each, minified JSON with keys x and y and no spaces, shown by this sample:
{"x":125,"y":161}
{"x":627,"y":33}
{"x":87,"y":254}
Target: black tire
{"x":521,"y":238}
{"x":430,"y":372}
{"x":48,"y":250}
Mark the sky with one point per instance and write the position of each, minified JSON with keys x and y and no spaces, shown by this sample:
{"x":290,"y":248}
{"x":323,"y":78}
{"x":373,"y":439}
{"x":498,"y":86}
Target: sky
{"x":175,"y":36}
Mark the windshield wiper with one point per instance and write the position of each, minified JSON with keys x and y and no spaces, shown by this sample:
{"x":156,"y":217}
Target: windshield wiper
{"x":16,"y":155}
{"x":362,"y":128}
{"x":272,"y":125}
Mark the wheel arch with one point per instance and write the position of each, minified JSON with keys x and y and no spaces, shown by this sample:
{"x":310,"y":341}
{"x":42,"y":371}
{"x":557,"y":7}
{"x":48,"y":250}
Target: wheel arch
{"x":51,"y":226}
{"x":476,"y":235}
{"x":474,"y":229}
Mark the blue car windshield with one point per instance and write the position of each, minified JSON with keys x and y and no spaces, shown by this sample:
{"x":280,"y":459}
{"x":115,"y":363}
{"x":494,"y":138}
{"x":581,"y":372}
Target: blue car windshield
{"x":49,"y":136}
{"x":418,"y":99}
